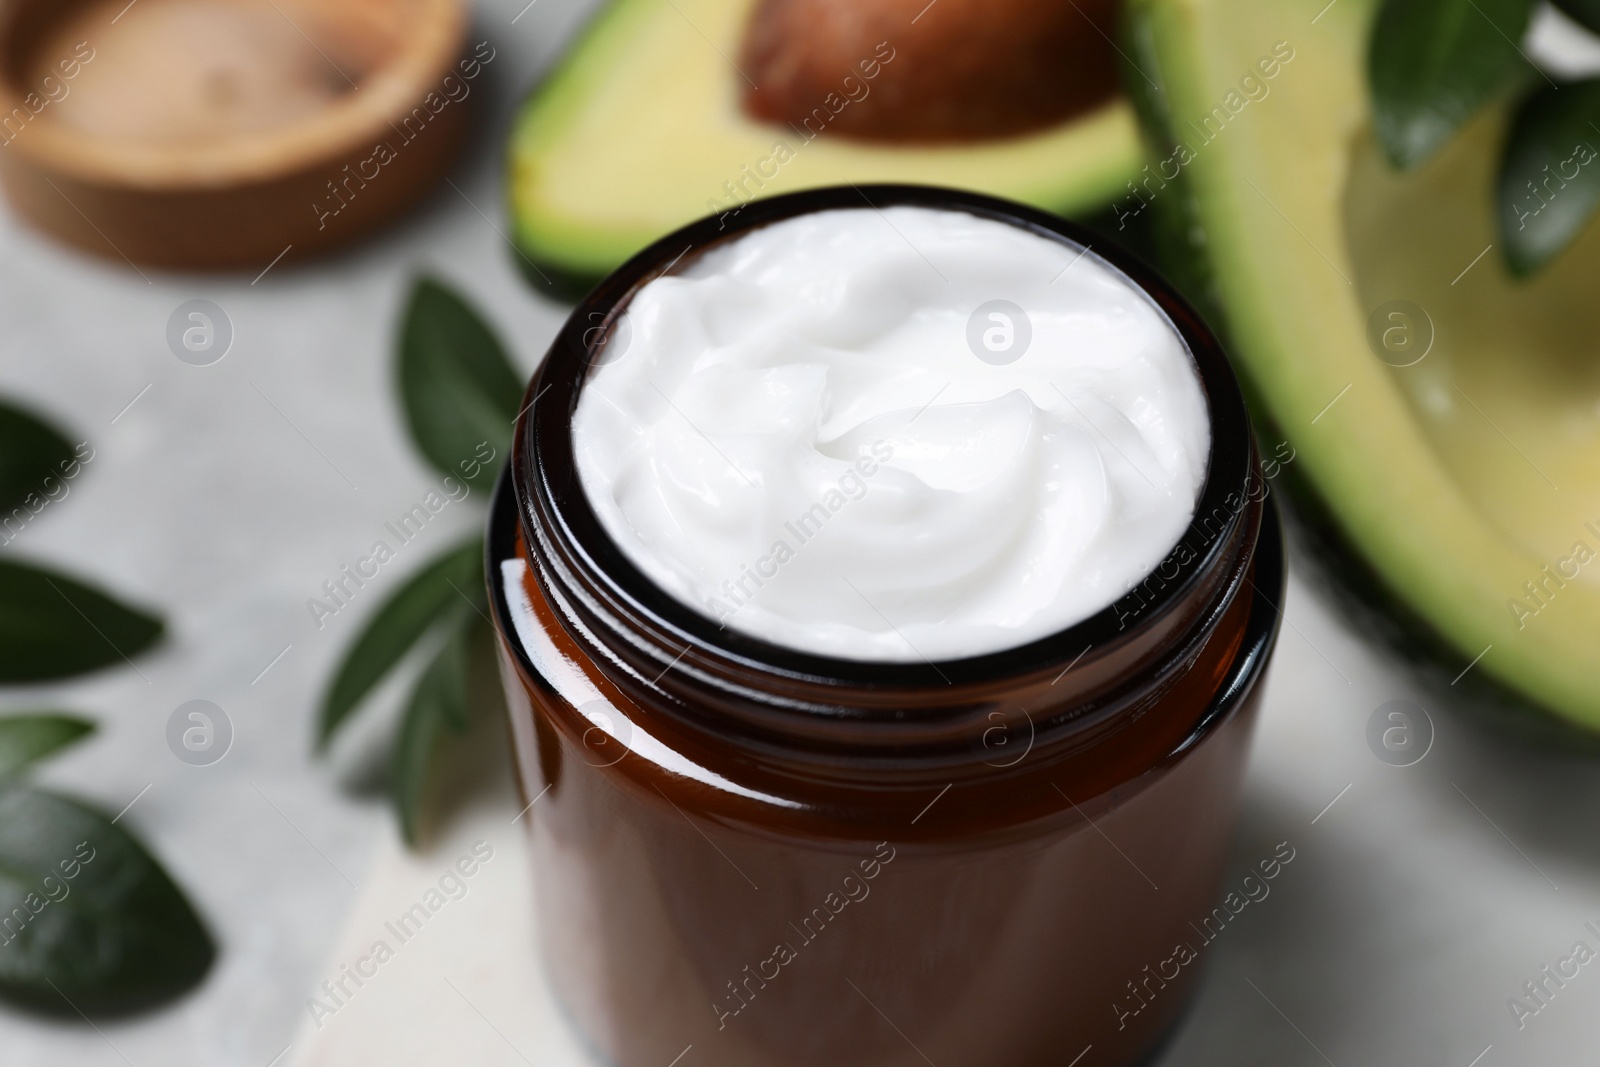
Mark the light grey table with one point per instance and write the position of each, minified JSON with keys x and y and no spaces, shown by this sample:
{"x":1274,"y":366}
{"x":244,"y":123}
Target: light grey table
{"x":1418,"y":903}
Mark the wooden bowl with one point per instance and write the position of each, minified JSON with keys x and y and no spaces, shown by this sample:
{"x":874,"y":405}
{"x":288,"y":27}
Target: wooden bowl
{"x":225,"y":134}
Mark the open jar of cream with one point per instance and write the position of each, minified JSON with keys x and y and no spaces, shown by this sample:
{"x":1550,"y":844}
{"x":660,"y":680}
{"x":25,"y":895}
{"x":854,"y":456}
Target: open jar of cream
{"x":883,"y":579}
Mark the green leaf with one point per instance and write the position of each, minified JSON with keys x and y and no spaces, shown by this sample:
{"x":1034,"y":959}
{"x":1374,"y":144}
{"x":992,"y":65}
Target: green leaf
{"x":52,"y":626}
{"x":460,"y":393}
{"x":34,"y":457}
{"x":1433,"y":63}
{"x":1584,"y":12}
{"x":27,"y":738}
{"x":438,"y":703}
{"x":397,"y":625}
{"x":1549,"y":184}
{"x":89,"y":921}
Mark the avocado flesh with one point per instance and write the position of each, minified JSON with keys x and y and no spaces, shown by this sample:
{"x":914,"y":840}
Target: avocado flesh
{"x":637,"y":131}
{"x":1456,"y":480}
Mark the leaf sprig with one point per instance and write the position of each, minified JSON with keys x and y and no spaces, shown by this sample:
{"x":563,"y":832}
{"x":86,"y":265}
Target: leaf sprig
{"x":92,"y":922}
{"x":1434,"y":64}
{"x":89,"y":920}
{"x":52,"y":626}
{"x":460,"y":396}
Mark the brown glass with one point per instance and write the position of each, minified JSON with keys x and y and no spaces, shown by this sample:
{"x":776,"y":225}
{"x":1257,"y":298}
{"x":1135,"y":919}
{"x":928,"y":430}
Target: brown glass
{"x":781,"y":858}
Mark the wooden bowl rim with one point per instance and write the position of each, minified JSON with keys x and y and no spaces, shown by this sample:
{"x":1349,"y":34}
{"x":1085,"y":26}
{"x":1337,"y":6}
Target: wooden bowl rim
{"x":427,"y":50}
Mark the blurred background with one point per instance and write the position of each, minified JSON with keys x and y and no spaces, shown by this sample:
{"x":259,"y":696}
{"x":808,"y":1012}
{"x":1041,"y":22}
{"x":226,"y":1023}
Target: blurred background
{"x":1422,"y":900}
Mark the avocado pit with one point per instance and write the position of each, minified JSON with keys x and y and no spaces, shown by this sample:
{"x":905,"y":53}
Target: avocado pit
{"x":911,"y":71}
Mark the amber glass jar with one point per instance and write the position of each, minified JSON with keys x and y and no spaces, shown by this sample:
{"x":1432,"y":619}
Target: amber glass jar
{"x":775,"y":857}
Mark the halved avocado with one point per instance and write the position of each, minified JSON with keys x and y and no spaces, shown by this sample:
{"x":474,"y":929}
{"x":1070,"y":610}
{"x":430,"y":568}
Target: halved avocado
{"x":640,"y":130}
{"x":1467,"y":485}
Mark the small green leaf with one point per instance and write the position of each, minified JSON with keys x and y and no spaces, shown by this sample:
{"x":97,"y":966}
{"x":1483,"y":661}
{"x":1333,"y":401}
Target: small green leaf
{"x":89,"y":921}
{"x":438,"y":703}
{"x":1549,"y":184}
{"x":1433,"y":63}
{"x":460,"y":392}
{"x":52,"y":626}
{"x":34,"y":458}
{"x":1585,"y":13}
{"x":27,"y":738}
{"x":397,"y":625}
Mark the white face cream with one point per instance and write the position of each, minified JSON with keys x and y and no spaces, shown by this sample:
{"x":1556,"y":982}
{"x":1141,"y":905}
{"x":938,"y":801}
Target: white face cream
{"x":894,"y":435}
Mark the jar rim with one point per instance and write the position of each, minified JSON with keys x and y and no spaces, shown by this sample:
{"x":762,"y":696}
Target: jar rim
{"x":547,"y":488}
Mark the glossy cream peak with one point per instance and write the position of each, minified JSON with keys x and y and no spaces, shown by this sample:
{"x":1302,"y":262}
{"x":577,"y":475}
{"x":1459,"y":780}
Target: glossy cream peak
{"x":894,"y":435}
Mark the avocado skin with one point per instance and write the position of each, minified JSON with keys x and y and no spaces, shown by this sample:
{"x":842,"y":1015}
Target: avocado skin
{"x":553,"y":281}
{"x":1172,"y":238}
{"x":1366,"y":604}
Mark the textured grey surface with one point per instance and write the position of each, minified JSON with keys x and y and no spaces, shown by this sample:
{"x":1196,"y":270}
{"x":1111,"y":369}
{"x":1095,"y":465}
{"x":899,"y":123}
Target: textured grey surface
{"x":1417,"y":904}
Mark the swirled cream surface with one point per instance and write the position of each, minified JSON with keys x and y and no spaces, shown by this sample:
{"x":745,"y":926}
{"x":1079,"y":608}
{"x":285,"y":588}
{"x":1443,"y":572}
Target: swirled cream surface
{"x":894,"y":435}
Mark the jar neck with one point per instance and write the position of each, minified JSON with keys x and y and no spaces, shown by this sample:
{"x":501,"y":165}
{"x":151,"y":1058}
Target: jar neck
{"x":824,"y":727}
